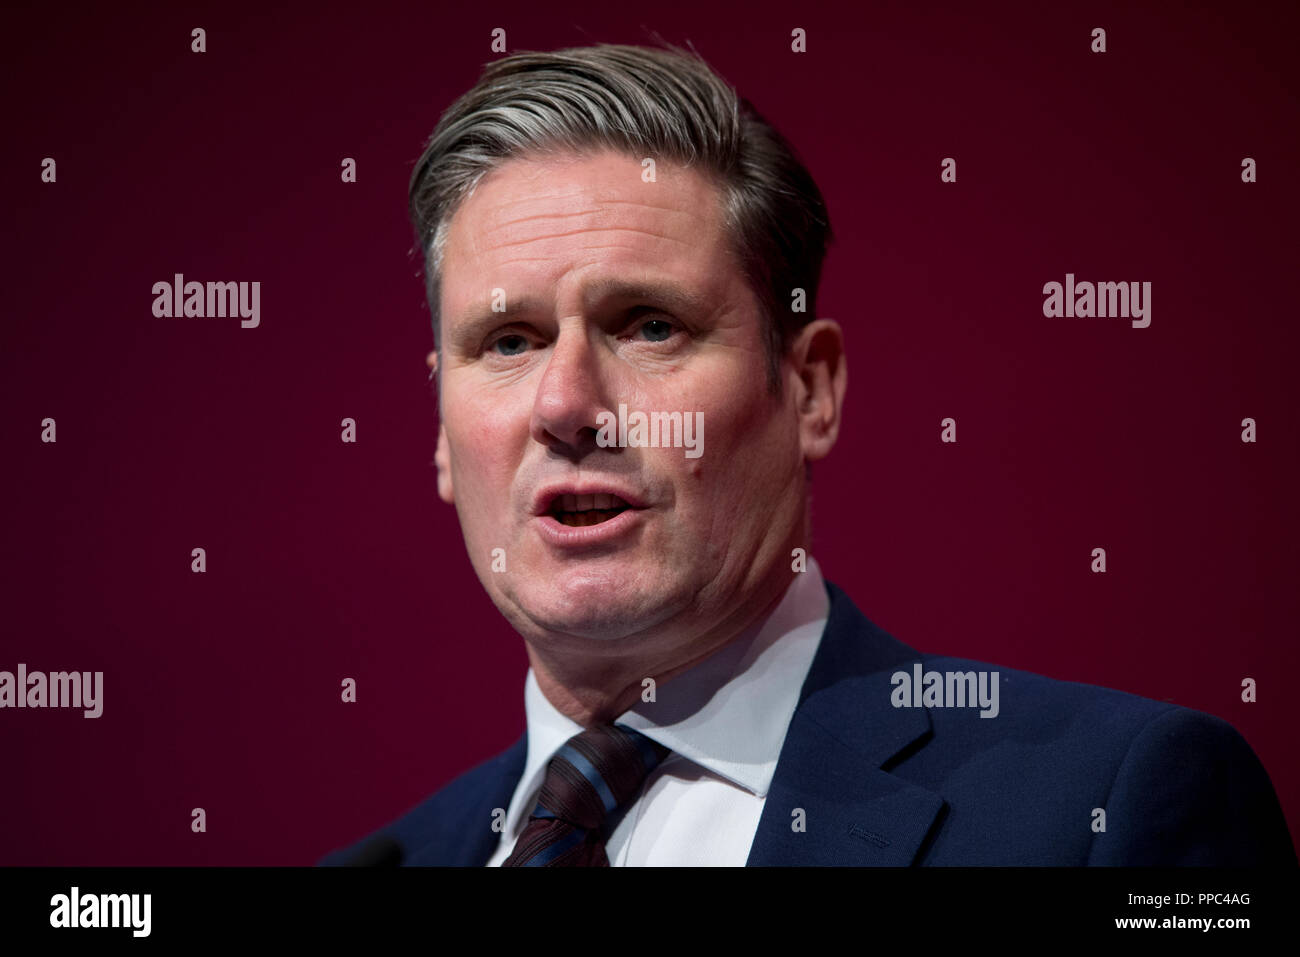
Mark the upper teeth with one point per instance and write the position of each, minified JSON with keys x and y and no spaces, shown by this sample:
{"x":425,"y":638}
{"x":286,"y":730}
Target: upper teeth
{"x":585,"y":503}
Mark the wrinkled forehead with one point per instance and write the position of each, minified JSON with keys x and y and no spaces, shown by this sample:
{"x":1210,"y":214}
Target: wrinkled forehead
{"x":533,"y":221}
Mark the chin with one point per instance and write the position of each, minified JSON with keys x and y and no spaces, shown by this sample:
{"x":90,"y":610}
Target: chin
{"x":588,"y":605}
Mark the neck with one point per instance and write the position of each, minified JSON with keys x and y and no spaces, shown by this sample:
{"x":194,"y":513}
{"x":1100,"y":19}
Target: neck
{"x":596,"y":689}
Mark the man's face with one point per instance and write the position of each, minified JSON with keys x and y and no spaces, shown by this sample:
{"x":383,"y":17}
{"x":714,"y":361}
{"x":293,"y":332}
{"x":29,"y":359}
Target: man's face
{"x":615,"y":291}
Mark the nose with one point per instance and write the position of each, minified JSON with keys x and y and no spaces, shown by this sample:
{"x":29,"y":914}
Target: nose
{"x":570,"y":395}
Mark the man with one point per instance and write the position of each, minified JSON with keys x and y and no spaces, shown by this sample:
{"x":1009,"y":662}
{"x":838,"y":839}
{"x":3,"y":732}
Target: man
{"x":622,"y":263}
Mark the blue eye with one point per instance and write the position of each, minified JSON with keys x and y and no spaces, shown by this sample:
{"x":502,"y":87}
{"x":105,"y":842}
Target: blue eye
{"x":513,"y":345}
{"x":656,"y":330}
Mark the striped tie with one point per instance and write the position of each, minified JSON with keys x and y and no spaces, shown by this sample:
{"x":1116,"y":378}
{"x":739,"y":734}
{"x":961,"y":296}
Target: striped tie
{"x":595,"y":772}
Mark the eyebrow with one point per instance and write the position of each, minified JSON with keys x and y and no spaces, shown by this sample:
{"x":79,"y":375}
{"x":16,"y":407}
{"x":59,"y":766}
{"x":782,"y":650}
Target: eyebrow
{"x":667,"y":295}
{"x":600,"y":294}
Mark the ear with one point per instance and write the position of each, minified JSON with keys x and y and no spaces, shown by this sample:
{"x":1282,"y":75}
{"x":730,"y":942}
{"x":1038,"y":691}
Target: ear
{"x":442,"y":457}
{"x":817,"y":354}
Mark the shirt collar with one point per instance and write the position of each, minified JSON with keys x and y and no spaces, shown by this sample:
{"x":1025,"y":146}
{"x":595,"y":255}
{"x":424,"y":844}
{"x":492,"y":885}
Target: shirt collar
{"x":728,"y":714}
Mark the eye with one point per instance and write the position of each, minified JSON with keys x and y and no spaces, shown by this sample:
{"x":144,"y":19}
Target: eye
{"x":512,"y":344}
{"x":657,"y":330}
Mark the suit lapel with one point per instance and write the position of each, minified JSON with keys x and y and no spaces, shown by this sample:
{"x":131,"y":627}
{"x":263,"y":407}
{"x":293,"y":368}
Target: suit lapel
{"x":843,"y":730}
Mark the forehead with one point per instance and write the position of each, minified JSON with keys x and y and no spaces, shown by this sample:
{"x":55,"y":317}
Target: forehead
{"x":542,"y":225}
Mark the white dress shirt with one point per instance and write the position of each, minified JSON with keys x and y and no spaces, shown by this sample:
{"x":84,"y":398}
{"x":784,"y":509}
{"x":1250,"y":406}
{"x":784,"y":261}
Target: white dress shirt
{"x":725,"y":721}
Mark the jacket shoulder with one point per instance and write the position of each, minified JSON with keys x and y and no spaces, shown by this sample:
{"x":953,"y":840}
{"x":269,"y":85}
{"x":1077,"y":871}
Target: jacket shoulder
{"x":1099,"y":776}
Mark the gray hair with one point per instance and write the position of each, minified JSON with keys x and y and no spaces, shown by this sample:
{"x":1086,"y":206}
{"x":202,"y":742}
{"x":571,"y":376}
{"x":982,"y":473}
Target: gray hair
{"x":665,"y":103}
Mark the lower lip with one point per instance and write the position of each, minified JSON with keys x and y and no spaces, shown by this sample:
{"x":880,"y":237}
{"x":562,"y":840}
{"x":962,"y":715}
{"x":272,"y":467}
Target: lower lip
{"x":555,"y":532}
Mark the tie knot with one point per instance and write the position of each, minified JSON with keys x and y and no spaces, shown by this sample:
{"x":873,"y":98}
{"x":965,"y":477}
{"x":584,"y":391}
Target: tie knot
{"x":595,"y":772}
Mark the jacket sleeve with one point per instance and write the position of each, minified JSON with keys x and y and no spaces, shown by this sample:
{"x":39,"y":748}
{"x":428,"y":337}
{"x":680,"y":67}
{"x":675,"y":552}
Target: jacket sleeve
{"x":1191,"y":791}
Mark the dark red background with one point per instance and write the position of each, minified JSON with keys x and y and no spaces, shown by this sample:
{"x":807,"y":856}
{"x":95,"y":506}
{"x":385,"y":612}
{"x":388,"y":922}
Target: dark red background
{"x":328,"y":560}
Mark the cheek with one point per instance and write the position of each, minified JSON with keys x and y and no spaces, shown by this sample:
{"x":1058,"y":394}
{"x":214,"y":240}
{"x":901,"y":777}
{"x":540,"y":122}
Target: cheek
{"x":739,"y":421}
{"x":486,"y":439}
{"x":757,"y":454}
{"x":482,"y":476}
{"x":746,"y":441}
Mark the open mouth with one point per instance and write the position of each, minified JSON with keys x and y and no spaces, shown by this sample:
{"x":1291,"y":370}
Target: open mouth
{"x":578,"y":511}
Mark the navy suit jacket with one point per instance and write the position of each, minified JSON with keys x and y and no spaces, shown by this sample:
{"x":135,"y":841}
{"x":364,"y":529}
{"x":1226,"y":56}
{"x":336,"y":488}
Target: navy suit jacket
{"x":886,"y":785}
